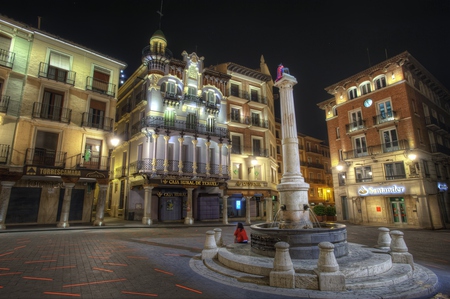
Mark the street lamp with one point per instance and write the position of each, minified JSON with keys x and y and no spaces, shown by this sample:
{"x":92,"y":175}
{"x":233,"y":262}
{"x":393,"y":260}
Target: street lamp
{"x":253,"y":162}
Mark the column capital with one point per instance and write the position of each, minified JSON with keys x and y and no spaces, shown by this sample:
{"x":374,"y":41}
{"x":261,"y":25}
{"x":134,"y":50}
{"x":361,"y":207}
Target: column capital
{"x":70,"y":179}
{"x":7,"y":184}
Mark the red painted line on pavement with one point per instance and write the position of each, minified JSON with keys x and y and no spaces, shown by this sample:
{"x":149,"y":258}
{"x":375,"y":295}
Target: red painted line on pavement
{"x":62,"y":294}
{"x":141,"y":294}
{"x":6,"y":253}
{"x":89,"y":283}
{"x":60,"y":267}
{"x":20,"y":247}
{"x":37,"y":278}
{"x":189,"y":289}
{"x":114,"y":264}
{"x":42,"y":261}
{"x":10,"y":273}
{"x":163,"y":271}
{"x":7,"y":269}
{"x":101,"y":269}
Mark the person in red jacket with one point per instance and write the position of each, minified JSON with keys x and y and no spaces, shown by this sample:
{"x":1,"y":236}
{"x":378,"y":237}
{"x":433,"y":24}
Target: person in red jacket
{"x":240,"y":236}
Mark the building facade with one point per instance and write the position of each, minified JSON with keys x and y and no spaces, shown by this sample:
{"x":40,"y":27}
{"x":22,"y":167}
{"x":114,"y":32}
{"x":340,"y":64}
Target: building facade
{"x":57,"y":103}
{"x":388,"y":129}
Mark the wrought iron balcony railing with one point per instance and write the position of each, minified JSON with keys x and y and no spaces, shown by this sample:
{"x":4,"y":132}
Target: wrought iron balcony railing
{"x":87,"y":160}
{"x":355,"y":126}
{"x":185,"y":126}
{"x":384,"y":118}
{"x":7,"y":58}
{"x":100,"y":86}
{"x":54,"y":73}
{"x":4,"y":102}
{"x":156,"y":59}
{"x":258,"y":152}
{"x":96,"y":121}
{"x":383,"y":148}
{"x":51,"y":112}
{"x":45,"y":157}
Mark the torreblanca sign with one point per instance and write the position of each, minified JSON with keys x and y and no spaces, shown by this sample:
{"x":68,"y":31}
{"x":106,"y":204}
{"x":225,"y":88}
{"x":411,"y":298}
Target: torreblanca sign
{"x":366,"y":191}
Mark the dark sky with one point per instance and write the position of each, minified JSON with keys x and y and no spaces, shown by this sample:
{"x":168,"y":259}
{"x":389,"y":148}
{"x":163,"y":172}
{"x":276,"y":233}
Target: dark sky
{"x":320,"y":41}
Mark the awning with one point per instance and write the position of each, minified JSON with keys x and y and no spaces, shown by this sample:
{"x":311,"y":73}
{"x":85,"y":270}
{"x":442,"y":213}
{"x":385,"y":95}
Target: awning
{"x":236,"y":195}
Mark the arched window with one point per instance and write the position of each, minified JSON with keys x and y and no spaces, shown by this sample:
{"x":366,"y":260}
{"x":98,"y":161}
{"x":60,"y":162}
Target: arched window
{"x":352,"y":94}
{"x":379,"y":82}
{"x":365,"y":87}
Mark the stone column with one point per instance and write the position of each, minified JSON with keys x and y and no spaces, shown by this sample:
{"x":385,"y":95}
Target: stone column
{"x":247,"y":210}
{"x":293,"y":189}
{"x":100,"y":210}
{"x":194,"y":158}
{"x":4,"y":201}
{"x":147,"y":219}
{"x":65,"y":210}
{"x":269,"y":209}
{"x":166,"y":154}
{"x":283,"y":274}
{"x":330,"y":278}
{"x":208,"y":159}
{"x":229,"y":160}
{"x":189,"y":219}
{"x":220,"y":160}
{"x":225,"y":209}
{"x":180,"y":155}
{"x":155,"y":143}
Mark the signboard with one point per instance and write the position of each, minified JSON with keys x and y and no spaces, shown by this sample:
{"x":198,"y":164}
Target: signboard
{"x":385,"y":190}
{"x":248,"y":184}
{"x":84,"y":173}
{"x":189,"y":182}
{"x":378,"y":209}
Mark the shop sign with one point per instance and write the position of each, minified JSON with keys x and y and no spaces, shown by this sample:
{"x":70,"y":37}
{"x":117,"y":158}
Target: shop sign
{"x":442,"y":187}
{"x":385,"y":190}
{"x":170,"y":194}
{"x":248,"y":184}
{"x":188,"y":182}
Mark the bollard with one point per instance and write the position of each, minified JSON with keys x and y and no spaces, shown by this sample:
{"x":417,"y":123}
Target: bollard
{"x":330,"y":278}
{"x":384,"y":239}
{"x":210,"y":250}
{"x":399,"y":251}
{"x":283,"y":272}
{"x":218,"y":237}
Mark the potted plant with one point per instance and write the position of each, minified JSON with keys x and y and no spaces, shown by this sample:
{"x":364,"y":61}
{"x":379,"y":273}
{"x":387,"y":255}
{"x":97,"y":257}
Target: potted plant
{"x":330,"y":211}
{"x":319,"y":211}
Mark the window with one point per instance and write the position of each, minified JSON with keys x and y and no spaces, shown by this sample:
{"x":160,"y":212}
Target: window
{"x":191,"y":121}
{"x":419,"y":135}
{"x":235,"y":115}
{"x":92,"y":155}
{"x":236,"y":175}
{"x":352,"y":93}
{"x":390,"y":141}
{"x":59,"y":65}
{"x":338,"y":133}
{"x":254,"y":95}
{"x":45,"y":148}
{"x":363,"y":174}
{"x":385,"y":111}
{"x":380,"y":82}
{"x":234,"y":90}
{"x":425,"y":168}
{"x":438,"y":171}
{"x":365,"y":87}
{"x":311,"y":192}
{"x":413,"y":104}
{"x":257,"y":150}
{"x":169,"y":118}
{"x":341,"y":178}
{"x":52,"y":104}
{"x":278,"y":150}
{"x":277,"y":134}
{"x":192,"y":91}
{"x":394,"y":171}
{"x":169,"y":88}
{"x":97,"y":114}
{"x":210,"y":124}
{"x":211,"y":98}
{"x":256,"y":119}
{"x":100,"y":82}
{"x":236,"y":144}
{"x":360,"y":146}
{"x":356,"y":121}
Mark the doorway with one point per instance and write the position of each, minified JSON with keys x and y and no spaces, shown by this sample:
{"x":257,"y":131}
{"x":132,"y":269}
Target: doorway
{"x":398,"y":210}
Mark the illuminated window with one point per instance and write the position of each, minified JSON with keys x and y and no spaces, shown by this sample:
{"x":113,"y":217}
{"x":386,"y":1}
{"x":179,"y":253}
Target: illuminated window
{"x":169,"y":118}
{"x":191,"y":121}
{"x":390,"y":141}
{"x":352,"y":93}
{"x":380,"y":82}
{"x":363,"y":174}
{"x":210,"y":124}
{"x":236,"y":144}
{"x":394,"y":171}
{"x":192,"y":91}
{"x":235,"y":115}
{"x":365,"y":87}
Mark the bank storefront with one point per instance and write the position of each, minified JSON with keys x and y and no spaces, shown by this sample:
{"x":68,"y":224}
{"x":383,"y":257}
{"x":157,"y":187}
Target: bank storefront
{"x":408,"y":203}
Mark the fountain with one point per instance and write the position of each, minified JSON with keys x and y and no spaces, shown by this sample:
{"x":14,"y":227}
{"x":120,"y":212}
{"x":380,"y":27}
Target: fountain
{"x":294,"y":226}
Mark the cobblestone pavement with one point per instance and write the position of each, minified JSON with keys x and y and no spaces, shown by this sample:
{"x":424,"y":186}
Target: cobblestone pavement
{"x":132,"y":261}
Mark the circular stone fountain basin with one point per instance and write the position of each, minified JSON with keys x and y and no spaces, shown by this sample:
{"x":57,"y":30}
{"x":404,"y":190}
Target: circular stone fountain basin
{"x":303,"y":242}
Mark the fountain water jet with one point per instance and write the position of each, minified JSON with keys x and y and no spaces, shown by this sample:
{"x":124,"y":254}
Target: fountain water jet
{"x":295,"y":226}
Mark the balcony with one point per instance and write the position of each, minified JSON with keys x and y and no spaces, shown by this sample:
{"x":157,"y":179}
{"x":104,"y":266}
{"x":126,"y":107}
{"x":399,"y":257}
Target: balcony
{"x":439,"y":148}
{"x":136,"y":129}
{"x":257,"y":122}
{"x":4,"y":102}
{"x":432,"y":123}
{"x":156,"y":59}
{"x":313,"y":150}
{"x":192,"y":99}
{"x":88,"y":161}
{"x":120,"y":172}
{"x":258,"y":99}
{"x":4,"y":153}
{"x":98,"y":122}
{"x":171,"y":99}
{"x":389,"y":147}
{"x":146,"y":166}
{"x":212,"y":108}
{"x":51,"y":112}
{"x":355,"y":126}
{"x":53,"y":73}
{"x":45,"y":157}
{"x":100,"y":86}
{"x":157,"y":122}
{"x":249,"y":151}
{"x":236,"y":118}
{"x":315,"y":181}
{"x":314,"y":165}
{"x":7,"y":58}
{"x":385,"y":118}
{"x":240,"y":94}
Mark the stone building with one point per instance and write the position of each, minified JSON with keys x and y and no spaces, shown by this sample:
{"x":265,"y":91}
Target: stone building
{"x":57,"y":104}
{"x":388,"y":129}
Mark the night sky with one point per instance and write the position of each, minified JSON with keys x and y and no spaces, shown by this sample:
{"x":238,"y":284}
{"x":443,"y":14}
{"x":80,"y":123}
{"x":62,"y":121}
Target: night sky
{"x":321,"y":42}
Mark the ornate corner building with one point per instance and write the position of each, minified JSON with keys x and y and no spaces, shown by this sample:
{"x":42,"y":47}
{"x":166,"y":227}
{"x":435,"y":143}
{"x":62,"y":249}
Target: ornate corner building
{"x":389,"y":137}
{"x":57,"y":107}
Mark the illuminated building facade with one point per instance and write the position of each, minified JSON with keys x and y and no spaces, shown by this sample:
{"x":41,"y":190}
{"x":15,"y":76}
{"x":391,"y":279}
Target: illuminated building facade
{"x":57,"y":103}
{"x":389,"y":130}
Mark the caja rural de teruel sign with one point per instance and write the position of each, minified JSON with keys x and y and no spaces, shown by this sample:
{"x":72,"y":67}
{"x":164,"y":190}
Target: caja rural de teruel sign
{"x":385,"y":190}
